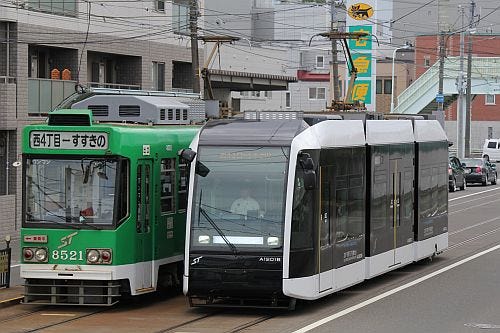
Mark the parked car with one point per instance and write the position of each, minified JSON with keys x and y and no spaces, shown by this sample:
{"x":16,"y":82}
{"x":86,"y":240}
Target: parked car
{"x":478,"y":170}
{"x":456,"y":174}
{"x":491,"y":150}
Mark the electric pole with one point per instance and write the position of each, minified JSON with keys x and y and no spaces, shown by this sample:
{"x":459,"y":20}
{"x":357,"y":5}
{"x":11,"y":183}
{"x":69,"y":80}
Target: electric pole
{"x":441,"y":24}
{"x":469,"y":71}
{"x":334,"y":69}
{"x":461,"y":102}
{"x":193,"y":25}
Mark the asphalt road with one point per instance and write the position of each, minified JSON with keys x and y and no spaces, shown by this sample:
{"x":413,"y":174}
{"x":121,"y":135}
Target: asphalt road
{"x":456,"y":292}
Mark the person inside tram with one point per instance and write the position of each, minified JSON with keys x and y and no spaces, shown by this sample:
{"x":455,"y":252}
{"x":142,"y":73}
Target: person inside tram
{"x":245,"y":205}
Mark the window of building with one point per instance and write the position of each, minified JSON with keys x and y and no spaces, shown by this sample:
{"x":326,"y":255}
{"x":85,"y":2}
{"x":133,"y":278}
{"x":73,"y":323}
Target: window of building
{"x":489,"y":99}
{"x":320,"y":62}
{"x":268,"y":94}
{"x":317,"y":93}
{"x":180,"y":17}
{"x":158,"y":78}
{"x":387,"y":86}
{"x":255,"y":93}
{"x":427,"y":61}
{"x":7,"y":157}
{"x":160,"y":5}
{"x":244,"y":93}
{"x":58,"y":7}
{"x":379,"y":86}
{"x":288,"y":99}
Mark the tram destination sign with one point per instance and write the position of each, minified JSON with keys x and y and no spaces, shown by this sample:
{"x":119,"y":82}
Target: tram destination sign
{"x":68,"y":140}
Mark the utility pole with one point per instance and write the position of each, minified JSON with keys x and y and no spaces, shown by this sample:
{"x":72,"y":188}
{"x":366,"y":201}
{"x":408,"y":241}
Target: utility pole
{"x":469,"y":71}
{"x":461,"y":102}
{"x":441,"y":25}
{"x":334,"y":68}
{"x":193,"y":25}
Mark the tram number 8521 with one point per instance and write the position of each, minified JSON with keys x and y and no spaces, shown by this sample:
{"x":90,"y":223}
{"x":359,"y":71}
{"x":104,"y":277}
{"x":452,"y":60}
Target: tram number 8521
{"x":67,"y":255}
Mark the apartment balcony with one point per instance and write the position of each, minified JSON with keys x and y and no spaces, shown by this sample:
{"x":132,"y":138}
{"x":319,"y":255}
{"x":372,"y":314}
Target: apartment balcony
{"x":7,"y":102}
{"x":45,"y":94}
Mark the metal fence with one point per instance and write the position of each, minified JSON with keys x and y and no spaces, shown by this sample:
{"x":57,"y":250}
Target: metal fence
{"x":5,"y":257}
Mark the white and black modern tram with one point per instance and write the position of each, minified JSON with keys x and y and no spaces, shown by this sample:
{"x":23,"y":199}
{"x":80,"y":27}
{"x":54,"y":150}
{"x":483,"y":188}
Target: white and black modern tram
{"x":281,"y":210}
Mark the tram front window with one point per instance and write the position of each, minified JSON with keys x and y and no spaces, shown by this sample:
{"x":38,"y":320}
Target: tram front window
{"x":70,"y":191}
{"x":240,"y":202}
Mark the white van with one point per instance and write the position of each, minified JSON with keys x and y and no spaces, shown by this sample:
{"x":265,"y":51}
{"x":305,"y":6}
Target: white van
{"x":491,"y":150}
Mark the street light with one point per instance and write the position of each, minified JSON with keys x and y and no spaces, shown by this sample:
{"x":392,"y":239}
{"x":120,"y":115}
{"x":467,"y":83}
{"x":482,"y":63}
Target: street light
{"x":405,"y":47}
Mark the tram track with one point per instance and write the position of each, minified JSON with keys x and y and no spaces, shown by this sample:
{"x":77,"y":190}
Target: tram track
{"x":18,"y":316}
{"x":188,"y":322}
{"x":54,"y":324}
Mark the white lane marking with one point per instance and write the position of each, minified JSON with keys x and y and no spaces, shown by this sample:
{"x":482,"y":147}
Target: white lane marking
{"x":474,"y":225}
{"x":475,"y":206}
{"x":15,"y":265}
{"x":392,"y":292}
{"x":476,"y":199}
{"x":469,"y":195}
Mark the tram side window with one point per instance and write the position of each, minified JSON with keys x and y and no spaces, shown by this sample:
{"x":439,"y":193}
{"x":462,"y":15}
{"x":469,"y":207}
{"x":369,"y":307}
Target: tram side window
{"x":408,"y":196}
{"x":138,"y":226}
{"x":379,"y":204}
{"x":302,"y":213}
{"x":302,"y":243}
{"x":349,"y":198}
{"x":147,"y":197}
{"x":167,"y":181}
{"x":183,"y":185}
{"x":122,"y":200}
{"x":425,"y":193}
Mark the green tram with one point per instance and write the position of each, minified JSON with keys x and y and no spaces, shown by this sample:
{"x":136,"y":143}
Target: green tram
{"x":104,"y":208}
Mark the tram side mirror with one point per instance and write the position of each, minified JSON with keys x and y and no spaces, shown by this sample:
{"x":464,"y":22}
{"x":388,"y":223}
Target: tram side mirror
{"x":187,"y":154}
{"x":86,"y":174}
{"x":201,"y":169}
{"x":307,"y":164}
{"x":309,"y":179}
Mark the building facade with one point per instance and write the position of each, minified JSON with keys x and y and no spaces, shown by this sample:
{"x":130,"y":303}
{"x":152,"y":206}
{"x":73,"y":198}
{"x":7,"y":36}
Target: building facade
{"x":48,"y":47}
{"x":485,"y":109}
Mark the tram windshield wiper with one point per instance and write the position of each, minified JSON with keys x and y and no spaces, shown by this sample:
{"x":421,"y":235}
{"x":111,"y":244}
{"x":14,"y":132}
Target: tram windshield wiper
{"x":82,"y":221}
{"x":71,"y":225}
{"x":219,"y":231}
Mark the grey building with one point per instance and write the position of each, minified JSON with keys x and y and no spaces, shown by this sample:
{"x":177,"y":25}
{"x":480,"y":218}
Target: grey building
{"x":47,"y":47}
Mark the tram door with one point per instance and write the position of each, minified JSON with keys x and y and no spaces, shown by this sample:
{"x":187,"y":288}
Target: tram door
{"x":144,"y":250}
{"x":395,"y":203}
{"x":325,"y":241}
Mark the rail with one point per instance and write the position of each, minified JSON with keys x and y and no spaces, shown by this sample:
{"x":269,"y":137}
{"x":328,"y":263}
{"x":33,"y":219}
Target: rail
{"x":5,"y":259}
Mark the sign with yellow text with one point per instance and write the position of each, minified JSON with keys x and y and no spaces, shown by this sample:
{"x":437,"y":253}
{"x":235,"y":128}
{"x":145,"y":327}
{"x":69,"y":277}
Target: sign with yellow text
{"x":364,"y":43}
{"x":360,"y":11}
{"x":362,"y":91}
{"x":363,"y":63}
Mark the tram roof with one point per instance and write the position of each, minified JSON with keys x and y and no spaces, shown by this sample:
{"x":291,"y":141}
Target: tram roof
{"x":241,"y":132}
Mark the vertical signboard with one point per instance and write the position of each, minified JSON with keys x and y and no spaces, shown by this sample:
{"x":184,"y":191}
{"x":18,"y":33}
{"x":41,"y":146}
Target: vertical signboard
{"x":362,"y":17}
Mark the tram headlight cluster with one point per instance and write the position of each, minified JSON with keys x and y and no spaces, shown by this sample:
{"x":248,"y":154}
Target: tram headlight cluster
{"x":99,"y":256}
{"x":203,"y":239}
{"x":273,"y":241}
{"x":35,"y":254}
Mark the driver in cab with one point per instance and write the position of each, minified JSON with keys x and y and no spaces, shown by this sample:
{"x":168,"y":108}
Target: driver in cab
{"x":245,"y":204}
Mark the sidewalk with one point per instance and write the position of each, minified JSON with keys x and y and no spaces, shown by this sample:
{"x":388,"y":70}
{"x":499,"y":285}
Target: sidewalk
{"x":11,"y":296}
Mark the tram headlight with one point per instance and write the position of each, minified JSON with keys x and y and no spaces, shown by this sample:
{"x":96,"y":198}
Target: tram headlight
{"x":106,"y":256}
{"x":28,"y":254}
{"x":41,"y":254}
{"x":273,"y":241}
{"x":92,"y":256}
{"x":203,"y":239}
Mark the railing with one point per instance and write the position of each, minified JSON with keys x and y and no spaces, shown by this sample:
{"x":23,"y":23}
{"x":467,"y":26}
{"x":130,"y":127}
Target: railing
{"x":114,"y":85}
{"x":482,"y":68}
{"x":7,"y":79}
{"x":45,"y":94}
{"x":5,"y":259}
